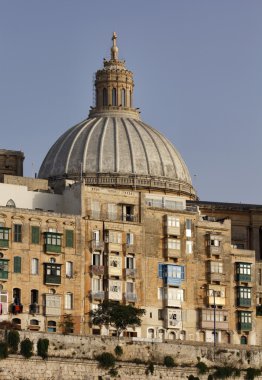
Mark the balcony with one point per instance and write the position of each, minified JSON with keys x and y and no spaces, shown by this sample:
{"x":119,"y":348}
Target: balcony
{"x":130,"y":297}
{"x":207,"y":319}
{"x":97,"y":295}
{"x":213,"y":250}
{"x":52,"y":279}
{"x":173,"y":318}
{"x":97,"y":270}
{"x":4,"y":244}
{"x":50,"y":248}
{"x":173,"y":231}
{"x":244,"y":302}
{"x":52,"y":304}
{"x":173,"y":297}
{"x":16,"y":308}
{"x":244,"y":326}
{"x":129,"y":248}
{"x":114,"y":265}
{"x":172,"y":253}
{"x":113,"y":247}
{"x":216,"y":277}
{"x":243,"y":277}
{"x":130,"y":273}
{"x":3,"y":275}
{"x":34,"y":308}
{"x":97,"y":245}
{"x":115,"y":290}
{"x":52,"y":242}
{"x":219,"y":292}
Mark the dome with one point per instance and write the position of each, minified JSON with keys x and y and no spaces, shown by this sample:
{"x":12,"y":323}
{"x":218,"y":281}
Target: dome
{"x":113,"y":147}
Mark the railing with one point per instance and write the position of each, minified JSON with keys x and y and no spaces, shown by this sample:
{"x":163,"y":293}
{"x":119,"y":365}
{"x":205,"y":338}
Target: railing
{"x":130,"y":297}
{"x":98,"y":270}
{"x":4,"y":243}
{"x":130,"y":272}
{"x":96,"y":244}
{"x":244,"y":302}
{"x":50,"y":279}
{"x":97,"y":295}
{"x":52,"y":248}
{"x":243,"y":277}
{"x":34,"y":308}
{"x":3,"y":275}
{"x":244,"y":326}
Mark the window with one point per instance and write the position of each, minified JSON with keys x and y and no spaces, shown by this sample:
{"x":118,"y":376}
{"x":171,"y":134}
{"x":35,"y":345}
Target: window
{"x":173,"y":244}
{"x":123,"y":97}
{"x":51,"y":326}
{"x":105,"y":100}
{"x":114,"y":237}
{"x":114,"y":97}
{"x":17,"y":264}
{"x":160,"y":293}
{"x":34,"y":266}
{"x":129,"y":238}
{"x":128,"y":213}
{"x":53,"y":242}
{"x":69,"y":269}
{"x":69,"y":301}
{"x":188,"y":227}
{"x":96,"y":285}
{"x":17,"y":233}
{"x":216,"y":267}
{"x":112,"y":211}
{"x":96,"y":260}
{"x":245,"y":317}
{"x":175,"y":294}
{"x":173,"y":221}
{"x":130,"y":287}
{"x":189,"y":247}
{"x":130,"y":262}
{"x":34,"y":296}
{"x":69,"y":237}
{"x":215,"y":242}
{"x":244,"y":292}
{"x":160,"y":314}
{"x":3,"y":269}
{"x":208,"y":315}
{"x":52,"y":273}
{"x":10,"y":203}
{"x":35,"y":235}
{"x":4,"y":237}
{"x":244,"y":268}
{"x":4,"y":301}
{"x":17,"y":296}
{"x":95,"y":209}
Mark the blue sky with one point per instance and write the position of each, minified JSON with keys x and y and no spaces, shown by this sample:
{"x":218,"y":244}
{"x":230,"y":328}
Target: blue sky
{"x":198,"y":79}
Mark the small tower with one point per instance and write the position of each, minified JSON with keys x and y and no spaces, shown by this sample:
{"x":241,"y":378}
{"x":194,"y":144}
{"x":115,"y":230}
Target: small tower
{"x":11,"y":163}
{"x":114,"y":85}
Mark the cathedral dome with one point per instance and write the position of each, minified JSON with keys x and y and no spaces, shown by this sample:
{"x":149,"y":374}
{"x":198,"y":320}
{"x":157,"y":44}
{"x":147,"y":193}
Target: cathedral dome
{"x":113,"y":147}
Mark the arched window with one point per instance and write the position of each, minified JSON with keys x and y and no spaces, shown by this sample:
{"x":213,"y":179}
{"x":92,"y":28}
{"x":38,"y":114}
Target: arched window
{"x":123,"y":97}
{"x":172,"y":335}
{"x":17,"y":323}
{"x":243,"y":339}
{"x":52,"y":291}
{"x":105,"y":98}
{"x":150,"y":333}
{"x":51,"y":326}
{"x":17,"y":296}
{"x":10,"y":203}
{"x":34,"y":322}
{"x":161,"y":334}
{"x":114,"y":97}
{"x":34,"y":296}
{"x":52,"y":260}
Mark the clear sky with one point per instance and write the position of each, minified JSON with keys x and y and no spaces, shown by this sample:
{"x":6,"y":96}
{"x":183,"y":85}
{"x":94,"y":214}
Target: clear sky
{"x":198,"y":79}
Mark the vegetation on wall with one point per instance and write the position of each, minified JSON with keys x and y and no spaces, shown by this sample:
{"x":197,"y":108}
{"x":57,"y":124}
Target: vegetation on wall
{"x":26,"y":348}
{"x":13,"y":339}
{"x":3,"y":350}
{"x":67,"y":324}
{"x":42,"y":348}
{"x":119,"y":316}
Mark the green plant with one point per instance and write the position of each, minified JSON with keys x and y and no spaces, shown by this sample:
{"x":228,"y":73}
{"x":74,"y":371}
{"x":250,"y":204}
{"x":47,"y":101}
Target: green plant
{"x":113,"y":372}
{"x":225,"y":372}
{"x":118,"y":351}
{"x":42,"y":348}
{"x":26,"y":348}
{"x":106,"y":360}
{"x":3,"y":350}
{"x":252,"y":373}
{"x":169,"y":361}
{"x":150,"y":368}
{"x":202,"y":367}
{"x":13,"y":340}
{"x":67,"y":324}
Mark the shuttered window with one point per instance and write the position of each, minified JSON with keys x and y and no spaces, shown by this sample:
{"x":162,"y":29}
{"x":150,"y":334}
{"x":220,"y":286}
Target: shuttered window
{"x":69,"y":238}
{"x":35,"y":235}
{"x":17,"y":264}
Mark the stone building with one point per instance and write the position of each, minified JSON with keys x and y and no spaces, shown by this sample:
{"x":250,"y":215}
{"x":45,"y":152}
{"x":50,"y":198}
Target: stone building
{"x":113,"y":215}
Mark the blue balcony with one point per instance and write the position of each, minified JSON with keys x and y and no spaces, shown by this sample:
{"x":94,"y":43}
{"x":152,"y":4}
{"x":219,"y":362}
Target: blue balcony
{"x":171,"y":274}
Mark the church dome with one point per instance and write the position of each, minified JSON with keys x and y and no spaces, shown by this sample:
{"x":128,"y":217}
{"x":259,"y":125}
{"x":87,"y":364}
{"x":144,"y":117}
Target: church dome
{"x":113,"y":147}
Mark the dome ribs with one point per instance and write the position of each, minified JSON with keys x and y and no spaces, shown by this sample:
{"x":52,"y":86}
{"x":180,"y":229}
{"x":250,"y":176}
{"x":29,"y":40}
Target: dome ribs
{"x":101,"y":146}
{"x":133,"y":170}
{"x":146,"y":129}
{"x":87,"y":144}
{"x":116,"y":150}
{"x":143,"y":144}
{"x":82,"y":126}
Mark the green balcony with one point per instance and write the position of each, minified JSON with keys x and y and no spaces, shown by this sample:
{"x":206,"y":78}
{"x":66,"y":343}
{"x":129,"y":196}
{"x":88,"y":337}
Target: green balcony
{"x":243,"y":277}
{"x":244,"y":326}
{"x":3,"y":275}
{"x":51,"y":279}
{"x":52,"y":248}
{"x":244,"y":302}
{"x":4,"y":243}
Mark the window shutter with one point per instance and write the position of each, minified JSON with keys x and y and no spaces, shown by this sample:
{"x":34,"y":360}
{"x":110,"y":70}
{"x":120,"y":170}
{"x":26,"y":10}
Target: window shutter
{"x":17,"y":264}
{"x":69,"y":238}
{"x":182,"y":273}
{"x":160,"y":270}
{"x":35,"y":234}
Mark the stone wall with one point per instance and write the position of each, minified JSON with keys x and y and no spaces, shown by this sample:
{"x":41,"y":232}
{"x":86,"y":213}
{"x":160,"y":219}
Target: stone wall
{"x":72,"y":357}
